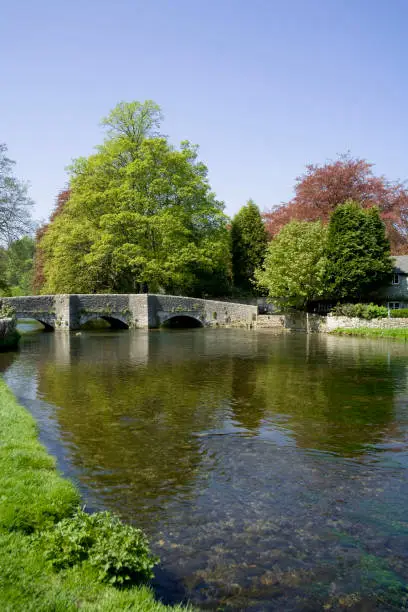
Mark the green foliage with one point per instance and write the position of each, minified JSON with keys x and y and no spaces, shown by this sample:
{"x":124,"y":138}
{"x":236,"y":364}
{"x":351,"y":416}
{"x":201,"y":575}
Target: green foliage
{"x":29,"y":584}
{"x":294,"y":269}
{"x":7,"y":311}
{"x":399,"y":313}
{"x":16,"y":267}
{"x":349,"y":259}
{"x":358,"y":252}
{"x":249,"y":243}
{"x":133,"y":121}
{"x":363,"y":311}
{"x":3,"y":271}
{"x":119,"y":552}
{"x":372,"y":333}
{"x":141,"y":216}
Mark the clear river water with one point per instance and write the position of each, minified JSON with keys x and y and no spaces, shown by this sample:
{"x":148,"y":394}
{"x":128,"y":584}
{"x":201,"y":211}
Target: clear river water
{"x":270,"y":471}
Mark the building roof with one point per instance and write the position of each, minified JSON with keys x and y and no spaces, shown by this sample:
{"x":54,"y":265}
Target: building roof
{"x":401,"y":264}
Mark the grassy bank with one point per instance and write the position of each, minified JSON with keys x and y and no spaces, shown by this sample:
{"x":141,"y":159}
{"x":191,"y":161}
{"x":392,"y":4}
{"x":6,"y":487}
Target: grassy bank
{"x":34,"y":499}
{"x":368,"y":332}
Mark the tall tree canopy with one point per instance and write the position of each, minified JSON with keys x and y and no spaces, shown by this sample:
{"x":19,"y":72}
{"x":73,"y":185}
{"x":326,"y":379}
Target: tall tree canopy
{"x":133,"y":121}
{"x":248,"y":242}
{"x":15,"y":205}
{"x":294,"y":268}
{"x":140,"y":216}
{"x":321,"y":188}
{"x":16,"y":267}
{"x":38,"y":278}
{"x":358,"y":252}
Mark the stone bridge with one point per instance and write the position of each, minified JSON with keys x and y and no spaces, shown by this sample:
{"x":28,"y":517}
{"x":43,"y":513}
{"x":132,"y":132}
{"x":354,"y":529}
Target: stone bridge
{"x":143,"y":310}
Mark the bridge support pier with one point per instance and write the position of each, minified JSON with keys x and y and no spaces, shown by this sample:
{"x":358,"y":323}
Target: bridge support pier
{"x":63,"y":313}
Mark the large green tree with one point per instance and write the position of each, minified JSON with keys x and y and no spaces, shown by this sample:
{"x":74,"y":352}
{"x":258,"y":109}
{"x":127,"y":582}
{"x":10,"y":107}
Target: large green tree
{"x":16,"y":267}
{"x":140,"y":216}
{"x":19,"y":270}
{"x":248,"y":243}
{"x":294,"y":270}
{"x":358,"y":252}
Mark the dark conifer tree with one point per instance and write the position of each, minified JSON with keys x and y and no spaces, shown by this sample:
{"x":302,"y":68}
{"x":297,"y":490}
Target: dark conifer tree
{"x":248,"y":242}
{"x":358,"y":252}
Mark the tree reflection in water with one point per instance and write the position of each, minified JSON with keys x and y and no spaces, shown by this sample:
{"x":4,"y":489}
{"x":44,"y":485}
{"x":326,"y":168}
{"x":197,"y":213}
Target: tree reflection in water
{"x":248,"y":457}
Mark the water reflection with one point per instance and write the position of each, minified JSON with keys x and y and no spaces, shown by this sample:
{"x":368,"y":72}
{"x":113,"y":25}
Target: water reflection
{"x":269,"y":470}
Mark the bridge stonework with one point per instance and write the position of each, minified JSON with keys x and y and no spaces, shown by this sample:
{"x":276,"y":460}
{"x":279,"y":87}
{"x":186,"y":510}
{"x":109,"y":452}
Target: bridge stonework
{"x":71,"y":311}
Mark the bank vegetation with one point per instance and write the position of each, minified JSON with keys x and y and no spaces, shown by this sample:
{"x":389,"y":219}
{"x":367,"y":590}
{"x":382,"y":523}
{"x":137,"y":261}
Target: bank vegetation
{"x":53,"y":555}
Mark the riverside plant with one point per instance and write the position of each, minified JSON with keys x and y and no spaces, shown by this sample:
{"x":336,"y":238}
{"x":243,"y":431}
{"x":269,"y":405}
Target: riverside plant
{"x":119,"y":552}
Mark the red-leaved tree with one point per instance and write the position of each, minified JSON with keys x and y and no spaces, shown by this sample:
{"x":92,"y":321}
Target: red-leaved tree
{"x":38,"y":276}
{"x":321,"y":188}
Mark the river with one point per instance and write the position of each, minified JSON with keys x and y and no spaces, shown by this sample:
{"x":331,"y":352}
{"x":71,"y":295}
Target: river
{"x":270,"y":471}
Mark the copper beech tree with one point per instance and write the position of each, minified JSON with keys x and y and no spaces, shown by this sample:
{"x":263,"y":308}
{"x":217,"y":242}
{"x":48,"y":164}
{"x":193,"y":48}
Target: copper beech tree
{"x":321,"y":188}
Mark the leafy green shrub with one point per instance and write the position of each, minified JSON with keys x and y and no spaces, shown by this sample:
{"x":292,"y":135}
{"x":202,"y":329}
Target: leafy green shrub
{"x":372,"y":311}
{"x":399,"y":313}
{"x":6,"y":311}
{"x":119,"y":552}
{"x":344,"y":310}
{"x":363,"y":311}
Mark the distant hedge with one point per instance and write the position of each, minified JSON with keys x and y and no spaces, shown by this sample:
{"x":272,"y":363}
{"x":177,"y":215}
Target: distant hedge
{"x":399,"y":313}
{"x":362,"y":311}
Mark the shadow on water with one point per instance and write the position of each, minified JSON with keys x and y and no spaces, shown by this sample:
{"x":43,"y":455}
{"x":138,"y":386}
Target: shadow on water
{"x":270,"y":472}
{"x":6,"y":359}
{"x":181,"y":322}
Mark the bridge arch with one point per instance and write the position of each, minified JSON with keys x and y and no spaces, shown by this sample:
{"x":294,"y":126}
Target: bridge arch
{"x":47,"y":326}
{"x":115,"y":321}
{"x":25,"y":318}
{"x":181,"y":321}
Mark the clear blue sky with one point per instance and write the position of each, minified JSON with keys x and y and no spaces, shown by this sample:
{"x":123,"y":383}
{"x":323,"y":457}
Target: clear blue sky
{"x":263,"y":86}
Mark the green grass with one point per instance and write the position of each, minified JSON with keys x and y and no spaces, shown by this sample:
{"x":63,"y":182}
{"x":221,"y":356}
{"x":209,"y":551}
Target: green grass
{"x":34,"y":497}
{"x":367,"y":332}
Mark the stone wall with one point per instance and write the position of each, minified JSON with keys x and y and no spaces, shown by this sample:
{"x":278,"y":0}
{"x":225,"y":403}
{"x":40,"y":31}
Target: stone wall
{"x":293,"y":322}
{"x":354,"y":322}
{"x":311,"y":323}
{"x":304,"y":322}
{"x":229,"y":313}
{"x":270,"y":322}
